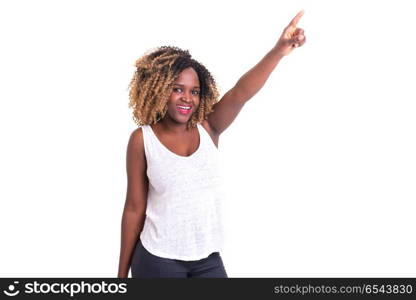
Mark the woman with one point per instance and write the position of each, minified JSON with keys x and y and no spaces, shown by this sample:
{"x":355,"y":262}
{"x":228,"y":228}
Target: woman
{"x":171,"y":225}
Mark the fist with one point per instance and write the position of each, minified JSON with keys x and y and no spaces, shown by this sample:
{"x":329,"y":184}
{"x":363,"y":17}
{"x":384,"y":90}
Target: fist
{"x":292,"y":37}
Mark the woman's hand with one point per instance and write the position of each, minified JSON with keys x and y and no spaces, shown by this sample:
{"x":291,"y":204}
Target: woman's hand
{"x":291,"y":37}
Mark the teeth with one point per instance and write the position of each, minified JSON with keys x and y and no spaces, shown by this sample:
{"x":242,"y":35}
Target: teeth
{"x":184,"y":107}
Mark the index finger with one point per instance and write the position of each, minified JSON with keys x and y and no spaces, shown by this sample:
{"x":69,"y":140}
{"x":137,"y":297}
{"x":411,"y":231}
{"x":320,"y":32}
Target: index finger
{"x":296,"y":19}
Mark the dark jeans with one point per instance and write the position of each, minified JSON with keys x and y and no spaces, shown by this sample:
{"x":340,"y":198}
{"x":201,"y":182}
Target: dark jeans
{"x":146,"y":265}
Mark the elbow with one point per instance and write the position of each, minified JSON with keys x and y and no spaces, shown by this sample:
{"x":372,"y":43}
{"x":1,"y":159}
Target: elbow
{"x":135,"y":204}
{"x":242,"y":94}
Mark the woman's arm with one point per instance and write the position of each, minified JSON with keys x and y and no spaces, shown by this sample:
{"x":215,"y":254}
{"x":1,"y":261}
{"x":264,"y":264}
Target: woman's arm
{"x":136,"y":201}
{"x":226,"y":110}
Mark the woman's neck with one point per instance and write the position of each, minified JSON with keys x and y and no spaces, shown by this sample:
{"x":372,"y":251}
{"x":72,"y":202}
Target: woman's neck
{"x":170,"y":126}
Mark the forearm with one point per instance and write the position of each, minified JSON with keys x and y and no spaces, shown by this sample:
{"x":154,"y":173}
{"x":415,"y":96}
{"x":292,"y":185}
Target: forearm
{"x":132,"y":225}
{"x":252,"y":81}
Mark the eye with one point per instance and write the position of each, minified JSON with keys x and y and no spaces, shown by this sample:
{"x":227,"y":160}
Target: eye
{"x":176,"y":89}
{"x":196,"y":92}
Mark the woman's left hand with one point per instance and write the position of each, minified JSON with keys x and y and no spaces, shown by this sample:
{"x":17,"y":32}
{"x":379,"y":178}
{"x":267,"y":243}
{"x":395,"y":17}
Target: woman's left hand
{"x":291,"y":38}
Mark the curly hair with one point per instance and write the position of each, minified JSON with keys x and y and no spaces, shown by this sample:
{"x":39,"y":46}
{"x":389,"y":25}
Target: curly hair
{"x":152,"y":84}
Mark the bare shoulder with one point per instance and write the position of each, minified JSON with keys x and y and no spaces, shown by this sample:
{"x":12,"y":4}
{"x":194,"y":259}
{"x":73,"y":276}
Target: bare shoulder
{"x":214,"y":136}
{"x":136,"y":137}
{"x":137,"y":181}
{"x":135,"y":146}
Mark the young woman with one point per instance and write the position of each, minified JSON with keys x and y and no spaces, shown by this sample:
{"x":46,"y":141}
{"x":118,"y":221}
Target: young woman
{"x":171,"y":224}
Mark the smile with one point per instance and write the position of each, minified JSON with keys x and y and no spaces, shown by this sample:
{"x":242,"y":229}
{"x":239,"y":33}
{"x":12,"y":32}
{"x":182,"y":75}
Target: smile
{"x":183,"y":109}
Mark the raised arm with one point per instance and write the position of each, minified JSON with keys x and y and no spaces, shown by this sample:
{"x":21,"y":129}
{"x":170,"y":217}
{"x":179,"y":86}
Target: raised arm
{"x":227,"y":109}
{"x":136,"y":201}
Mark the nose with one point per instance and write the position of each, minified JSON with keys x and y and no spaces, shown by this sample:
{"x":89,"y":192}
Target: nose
{"x":186,"y":98}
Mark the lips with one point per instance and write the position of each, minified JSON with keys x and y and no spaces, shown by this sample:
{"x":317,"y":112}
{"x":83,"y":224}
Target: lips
{"x":184,"y":109}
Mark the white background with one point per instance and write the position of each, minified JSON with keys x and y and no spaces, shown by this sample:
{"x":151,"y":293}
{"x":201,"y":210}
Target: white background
{"x":320,"y":164}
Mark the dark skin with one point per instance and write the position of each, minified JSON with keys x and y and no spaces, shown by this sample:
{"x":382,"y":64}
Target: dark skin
{"x":171,"y":130}
{"x":172,"y":133}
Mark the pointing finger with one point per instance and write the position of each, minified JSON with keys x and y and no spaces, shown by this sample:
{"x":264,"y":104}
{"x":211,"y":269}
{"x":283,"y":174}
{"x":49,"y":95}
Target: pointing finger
{"x":296,"y":19}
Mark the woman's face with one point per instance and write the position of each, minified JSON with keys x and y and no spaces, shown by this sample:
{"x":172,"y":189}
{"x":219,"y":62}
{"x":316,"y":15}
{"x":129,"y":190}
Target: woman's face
{"x":185,"y":97}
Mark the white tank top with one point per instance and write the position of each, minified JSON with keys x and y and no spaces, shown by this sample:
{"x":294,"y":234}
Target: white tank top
{"x":183,"y":215}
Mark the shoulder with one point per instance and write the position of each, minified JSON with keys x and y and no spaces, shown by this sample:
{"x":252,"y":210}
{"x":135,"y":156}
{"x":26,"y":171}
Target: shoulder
{"x":136,"y":136}
{"x":136,"y":166}
{"x":214,"y":136}
{"x":136,"y":144}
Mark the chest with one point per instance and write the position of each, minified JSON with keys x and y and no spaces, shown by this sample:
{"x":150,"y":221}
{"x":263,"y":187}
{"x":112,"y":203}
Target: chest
{"x":182,"y":145}
{"x":185,"y":144}
{"x":197,"y":169}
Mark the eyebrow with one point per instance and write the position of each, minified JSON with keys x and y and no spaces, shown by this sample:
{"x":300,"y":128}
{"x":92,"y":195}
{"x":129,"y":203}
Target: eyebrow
{"x":183,"y":85}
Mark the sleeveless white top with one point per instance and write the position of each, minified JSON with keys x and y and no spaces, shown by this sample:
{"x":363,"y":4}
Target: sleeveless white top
{"x":183,"y":215}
